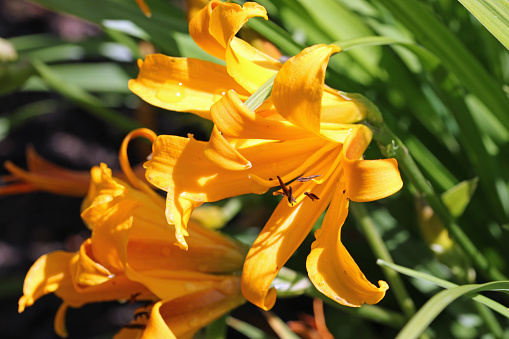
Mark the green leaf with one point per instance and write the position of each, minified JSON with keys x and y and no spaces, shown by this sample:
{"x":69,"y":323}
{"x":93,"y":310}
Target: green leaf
{"x":449,"y":285}
{"x":289,"y":283}
{"x":454,"y":55}
{"x":82,"y":98}
{"x":458,"y":197}
{"x":14,"y":75}
{"x":420,"y":321}
{"x":493,"y":14}
{"x":247,"y":329}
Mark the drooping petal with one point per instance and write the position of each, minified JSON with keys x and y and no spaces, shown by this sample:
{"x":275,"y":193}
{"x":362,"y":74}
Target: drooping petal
{"x":299,"y":85}
{"x":44,"y":277}
{"x":370,"y":180}
{"x":281,"y":236}
{"x":235,"y":120}
{"x":182,"y":84}
{"x":59,"y":323}
{"x":331,"y":268}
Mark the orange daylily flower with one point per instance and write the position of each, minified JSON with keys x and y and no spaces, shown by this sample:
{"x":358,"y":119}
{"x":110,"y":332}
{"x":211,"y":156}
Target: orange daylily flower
{"x":182,"y":317}
{"x":193,"y":85}
{"x":249,"y":150}
{"x":131,"y":252}
{"x":43,"y":175}
{"x":144,"y":8}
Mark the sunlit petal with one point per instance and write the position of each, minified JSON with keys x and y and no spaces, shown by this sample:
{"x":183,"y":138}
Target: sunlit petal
{"x":220,"y":152}
{"x":235,"y":120}
{"x":370,"y":180}
{"x":182,"y":84}
{"x":199,"y":31}
{"x":283,"y":233}
{"x":298,"y":87}
{"x":331,"y":268}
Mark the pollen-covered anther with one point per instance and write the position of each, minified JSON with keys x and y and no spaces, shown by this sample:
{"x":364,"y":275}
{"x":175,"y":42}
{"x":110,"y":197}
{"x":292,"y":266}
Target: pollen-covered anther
{"x":285,"y":191}
{"x":312,"y":196}
{"x":311,"y":177}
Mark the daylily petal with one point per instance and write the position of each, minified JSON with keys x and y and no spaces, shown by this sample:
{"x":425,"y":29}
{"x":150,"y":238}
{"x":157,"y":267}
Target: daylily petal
{"x":44,"y":277}
{"x":199,"y":31}
{"x":250,"y":67}
{"x":283,"y":233}
{"x":338,"y":110}
{"x":370,"y":180}
{"x":298,"y":87}
{"x":179,"y":166}
{"x":215,"y":25}
{"x":220,"y":152}
{"x":331,"y":268}
{"x":88,"y":271}
{"x":227,"y":19}
{"x":235,"y":120}
{"x":182,"y":84}
{"x":59,"y":323}
{"x":185,"y":316}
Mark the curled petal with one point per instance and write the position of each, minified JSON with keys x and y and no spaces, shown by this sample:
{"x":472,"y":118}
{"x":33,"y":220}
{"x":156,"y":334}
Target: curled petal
{"x":199,"y":31}
{"x":370,"y":180}
{"x":59,"y":323}
{"x":220,"y":152}
{"x":235,"y":120}
{"x":228,"y":18}
{"x":299,"y":85}
{"x":281,"y":236}
{"x":182,"y":84}
{"x":250,"y":67}
{"x":331,"y":268}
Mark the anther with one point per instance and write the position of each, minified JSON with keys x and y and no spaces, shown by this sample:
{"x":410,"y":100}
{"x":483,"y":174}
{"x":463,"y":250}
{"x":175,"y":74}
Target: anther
{"x":286,"y":191}
{"x":311,"y":177}
{"x":135,"y":326}
{"x":312,"y":196}
{"x":141,"y":314}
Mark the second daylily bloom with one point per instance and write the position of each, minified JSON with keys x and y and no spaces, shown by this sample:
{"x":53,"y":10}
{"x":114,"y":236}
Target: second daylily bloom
{"x":131,"y":252}
{"x":250,"y":152}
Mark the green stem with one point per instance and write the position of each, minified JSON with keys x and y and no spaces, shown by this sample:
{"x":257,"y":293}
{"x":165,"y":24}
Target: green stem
{"x":380,"y":250}
{"x":490,"y":320}
{"x":370,"y":312}
{"x":392,"y":146}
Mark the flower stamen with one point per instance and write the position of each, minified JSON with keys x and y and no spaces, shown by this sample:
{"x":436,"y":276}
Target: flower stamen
{"x":312,"y":196}
{"x":286,"y":191}
{"x":311,"y":177}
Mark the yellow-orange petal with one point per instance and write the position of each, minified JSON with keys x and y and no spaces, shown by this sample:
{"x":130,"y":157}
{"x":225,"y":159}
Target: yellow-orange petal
{"x":45,"y":276}
{"x":235,"y":120}
{"x":182,"y":84}
{"x":281,"y":236}
{"x":369,"y":180}
{"x":227,"y":19}
{"x":220,"y":152}
{"x":336,"y":109}
{"x":193,"y":7}
{"x":199,"y":31}
{"x":186,"y":315}
{"x":299,"y":85}
{"x":59,"y":323}
{"x":331,"y":268}
{"x":249,"y":67}
{"x":89,"y":272}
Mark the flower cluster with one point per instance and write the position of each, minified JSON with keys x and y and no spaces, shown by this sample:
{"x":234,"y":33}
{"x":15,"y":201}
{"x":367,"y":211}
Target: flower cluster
{"x":304,"y":141}
{"x":305,"y":132}
{"x":131,"y":255}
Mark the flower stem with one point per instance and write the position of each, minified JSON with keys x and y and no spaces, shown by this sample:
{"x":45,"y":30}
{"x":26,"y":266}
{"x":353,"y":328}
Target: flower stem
{"x":392,"y":146}
{"x":380,"y":250}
